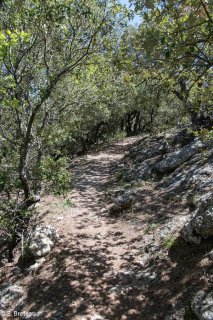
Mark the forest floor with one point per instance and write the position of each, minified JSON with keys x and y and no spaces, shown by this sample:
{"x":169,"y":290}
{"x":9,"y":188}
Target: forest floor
{"x":113,"y":267}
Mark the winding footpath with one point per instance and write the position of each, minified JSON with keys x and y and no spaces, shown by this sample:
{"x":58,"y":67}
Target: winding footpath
{"x":92,"y":264}
{"x":110,"y":267}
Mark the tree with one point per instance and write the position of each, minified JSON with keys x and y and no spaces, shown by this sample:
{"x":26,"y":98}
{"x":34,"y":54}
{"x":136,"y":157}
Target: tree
{"x":42,"y":42}
{"x":177,"y":36}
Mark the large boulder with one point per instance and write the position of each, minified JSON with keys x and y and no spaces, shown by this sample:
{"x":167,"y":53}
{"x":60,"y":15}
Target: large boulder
{"x":202,"y":305}
{"x":142,"y":158}
{"x":138,"y":172}
{"x":176,"y":158}
{"x":201,"y":224}
{"x":42,"y":240}
{"x":195,"y":177}
{"x":149,"y":149}
{"x":142,"y":171}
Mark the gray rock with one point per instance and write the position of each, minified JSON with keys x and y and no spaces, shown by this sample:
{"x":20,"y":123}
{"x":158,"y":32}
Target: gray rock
{"x":196,"y":176}
{"x":176,"y":158}
{"x":201,"y":224}
{"x":182,"y":137}
{"x":142,"y":170}
{"x":150,"y":276}
{"x":210,"y":255}
{"x":93,"y":317}
{"x":153,"y":149}
{"x":145,"y":156}
{"x":42,"y":240}
{"x":4,"y":262}
{"x":118,"y":192}
{"x":176,"y":312}
{"x":123,"y":195}
{"x":10,"y":294}
{"x":36,"y":265}
{"x":187,"y":233}
{"x":122,"y":202}
{"x":97,"y":317}
{"x":128,"y":196}
{"x":126,"y":277}
{"x":16,"y":270}
{"x":143,"y":262}
{"x":202,"y":305}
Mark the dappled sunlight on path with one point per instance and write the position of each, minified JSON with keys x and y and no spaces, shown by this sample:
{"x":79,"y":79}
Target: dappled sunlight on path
{"x":112,"y":267}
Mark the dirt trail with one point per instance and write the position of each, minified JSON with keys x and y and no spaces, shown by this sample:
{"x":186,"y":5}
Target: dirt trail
{"x":95,"y":247}
{"x":112,"y":268}
{"x":86,"y":217}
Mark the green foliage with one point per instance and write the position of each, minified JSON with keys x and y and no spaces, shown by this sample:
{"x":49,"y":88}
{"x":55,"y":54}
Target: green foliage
{"x":73,"y":74}
{"x":206,"y":135}
{"x":26,"y":255}
{"x":46,"y":64}
{"x":45,"y":48}
{"x":68,"y":203}
{"x":170,"y":242}
{"x":25,"y":214}
{"x":119,"y":174}
{"x":55,"y":174}
{"x":7,"y":225}
{"x":177,"y":39}
{"x":120,"y":136}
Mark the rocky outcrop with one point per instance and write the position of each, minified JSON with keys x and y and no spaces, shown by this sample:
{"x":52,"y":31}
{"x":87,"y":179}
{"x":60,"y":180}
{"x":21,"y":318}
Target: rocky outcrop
{"x":182,"y":137}
{"x":148,"y":147}
{"x":144,"y":156}
{"x":42,"y":240}
{"x":37,"y":265}
{"x":195,"y":178}
{"x":177,"y":158}
{"x":142,"y":171}
{"x":201,"y":225}
{"x":202,"y":305}
{"x":9,"y":295}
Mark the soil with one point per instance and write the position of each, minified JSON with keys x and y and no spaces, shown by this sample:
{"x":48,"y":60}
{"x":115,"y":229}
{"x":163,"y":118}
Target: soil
{"x":129,"y":266}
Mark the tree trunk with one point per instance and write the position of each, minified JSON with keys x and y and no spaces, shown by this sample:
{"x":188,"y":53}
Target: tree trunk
{"x":201,"y":116}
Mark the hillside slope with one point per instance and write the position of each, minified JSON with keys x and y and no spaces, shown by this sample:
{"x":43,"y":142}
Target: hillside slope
{"x":120,"y":254}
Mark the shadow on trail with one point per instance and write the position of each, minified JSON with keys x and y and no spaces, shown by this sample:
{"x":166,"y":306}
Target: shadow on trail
{"x":78,"y":278}
{"x":69,"y":290}
{"x":92,"y":175}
